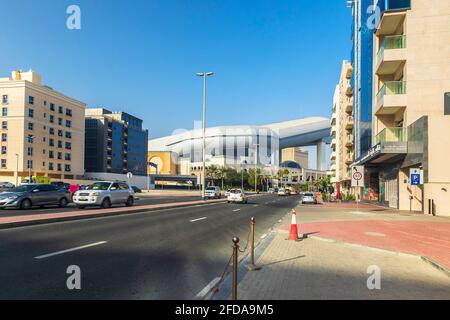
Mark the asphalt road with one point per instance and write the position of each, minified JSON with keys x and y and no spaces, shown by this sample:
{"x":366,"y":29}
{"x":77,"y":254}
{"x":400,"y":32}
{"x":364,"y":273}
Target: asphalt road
{"x":166,"y":254}
{"x":147,"y":200}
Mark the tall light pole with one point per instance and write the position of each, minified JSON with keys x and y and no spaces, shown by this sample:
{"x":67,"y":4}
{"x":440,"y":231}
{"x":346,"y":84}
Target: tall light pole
{"x":204,"y":75}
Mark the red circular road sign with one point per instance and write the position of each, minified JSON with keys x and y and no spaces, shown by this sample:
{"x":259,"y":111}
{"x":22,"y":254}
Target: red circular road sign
{"x":357,"y":176}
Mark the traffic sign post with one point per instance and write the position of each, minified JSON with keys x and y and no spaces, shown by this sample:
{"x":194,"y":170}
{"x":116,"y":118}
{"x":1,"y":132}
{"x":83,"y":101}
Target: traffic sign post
{"x":415,"y":177}
{"x":358,"y":181}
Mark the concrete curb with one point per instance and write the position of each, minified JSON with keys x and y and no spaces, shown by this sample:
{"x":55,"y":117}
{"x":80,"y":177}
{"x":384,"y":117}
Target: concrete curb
{"x":399,"y":253}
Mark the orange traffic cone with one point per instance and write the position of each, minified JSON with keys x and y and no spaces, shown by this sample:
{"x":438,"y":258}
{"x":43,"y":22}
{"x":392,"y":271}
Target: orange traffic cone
{"x":293,"y":234}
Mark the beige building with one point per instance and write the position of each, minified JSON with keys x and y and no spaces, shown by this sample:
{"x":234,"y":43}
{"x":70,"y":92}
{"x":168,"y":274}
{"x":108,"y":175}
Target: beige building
{"x":42,"y":130}
{"x":297,"y":154}
{"x":411,"y":123}
{"x":342,"y":124}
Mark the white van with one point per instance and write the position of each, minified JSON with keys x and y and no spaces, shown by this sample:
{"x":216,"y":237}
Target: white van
{"x":213,"y":192}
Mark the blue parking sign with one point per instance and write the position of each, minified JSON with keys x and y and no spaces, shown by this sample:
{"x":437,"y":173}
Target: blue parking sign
{"x":415,"y":179}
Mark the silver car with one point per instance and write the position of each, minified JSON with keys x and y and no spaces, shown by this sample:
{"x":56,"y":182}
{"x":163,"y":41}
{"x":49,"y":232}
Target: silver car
{"x":105,"y":194}
{"x":30,"y":195}
{"x":309,"y":198}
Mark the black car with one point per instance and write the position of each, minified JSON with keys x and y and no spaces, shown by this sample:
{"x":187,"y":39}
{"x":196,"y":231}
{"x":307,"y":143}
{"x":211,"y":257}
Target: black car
{"x":29,"y":195}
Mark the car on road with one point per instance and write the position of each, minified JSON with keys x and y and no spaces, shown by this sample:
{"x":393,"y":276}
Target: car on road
{"x":4,"y":186}
{"x":213,"y":192}
{"x":136,"y":189}
{"x":283,"y":192}
{"x":30,"y":195}
{"x":105,"y":194}
{"x":60,"y":185}
{"x":309,"y":198}
{"x":237,"y":196}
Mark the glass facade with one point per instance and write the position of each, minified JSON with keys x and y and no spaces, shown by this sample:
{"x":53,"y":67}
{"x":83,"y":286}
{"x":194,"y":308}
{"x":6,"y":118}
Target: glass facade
{"x":392,"y":5}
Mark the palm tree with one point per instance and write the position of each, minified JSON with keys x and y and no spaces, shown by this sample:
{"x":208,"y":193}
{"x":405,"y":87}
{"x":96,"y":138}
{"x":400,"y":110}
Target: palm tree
{"x":211,"y":172}
{"x":221,"y":173}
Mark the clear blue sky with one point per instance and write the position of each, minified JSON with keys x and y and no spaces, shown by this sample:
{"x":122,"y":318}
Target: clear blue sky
{"x":274,"y":60}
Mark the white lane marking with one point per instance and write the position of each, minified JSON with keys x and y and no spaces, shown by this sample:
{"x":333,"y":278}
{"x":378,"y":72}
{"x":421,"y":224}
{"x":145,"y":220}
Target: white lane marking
{"x":199,"y":219}
{"x":236,"y":210}
{"x":254,"y":206}
{"x":69,"y":250}
{"x":208,"y":288}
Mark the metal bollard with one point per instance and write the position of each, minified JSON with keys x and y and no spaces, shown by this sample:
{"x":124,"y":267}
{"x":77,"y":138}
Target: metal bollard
{"x":235,"y":268}
{"x":252,"y":266}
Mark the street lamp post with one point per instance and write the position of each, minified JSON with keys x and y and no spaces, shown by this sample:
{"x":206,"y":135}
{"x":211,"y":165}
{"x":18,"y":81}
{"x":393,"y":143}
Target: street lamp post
{"x":204,"y":75}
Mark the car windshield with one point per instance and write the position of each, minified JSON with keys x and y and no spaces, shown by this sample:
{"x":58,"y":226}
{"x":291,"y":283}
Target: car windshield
{"x":99,"y":186}
{"x":24,"y":188}
{"x":309,"y":195}
{"x":211,"y":189}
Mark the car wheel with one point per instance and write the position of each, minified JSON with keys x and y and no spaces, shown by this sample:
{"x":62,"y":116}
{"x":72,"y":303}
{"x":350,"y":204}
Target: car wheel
{"x":130,"y":202}
{"x":63,"y":203}
{"x":26,"y":204}
{"x":106,"y":203}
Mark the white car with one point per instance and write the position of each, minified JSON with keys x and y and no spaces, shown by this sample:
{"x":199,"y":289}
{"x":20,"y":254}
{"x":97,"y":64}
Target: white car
{"x":283,"y":192}
{"x":309,"y":198}
{"x":105,"y":194}
{"x":213,"y":192}
{"x":237,"y":195}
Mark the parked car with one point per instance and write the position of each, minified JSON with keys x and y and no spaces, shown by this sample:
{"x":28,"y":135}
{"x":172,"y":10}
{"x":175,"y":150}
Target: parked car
{"x":309,"y":198}
{"x":61,"y":185}
{"x":283,"y":192}
{"x":4,"y":186}
{"x":27,"y":196}
{"x":237,"y":195}
{"x":136,"y":189}
{"x":105,"y":194}
{"x":227,"y":193}
{"x":213,"y":192}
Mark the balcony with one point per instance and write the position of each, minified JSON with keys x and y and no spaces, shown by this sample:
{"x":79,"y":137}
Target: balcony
{"x":392,"y":135}
{"x":350,"y":123}
{"x":393,"y":15}
{"x":333,"y":143}
{"x":349,"y":105}
{"x":349,"y":91}
{"x":392,"y":55}
{"x":349,"y":141}
{"x":333,"y":155}
{"x":391,"y":98}
{"x":349,"y":72}
{"x":349,"y":159}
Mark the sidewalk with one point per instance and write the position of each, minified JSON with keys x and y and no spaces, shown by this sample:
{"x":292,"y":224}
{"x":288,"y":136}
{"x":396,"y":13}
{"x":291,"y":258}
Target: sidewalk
{"x":332,"y":262}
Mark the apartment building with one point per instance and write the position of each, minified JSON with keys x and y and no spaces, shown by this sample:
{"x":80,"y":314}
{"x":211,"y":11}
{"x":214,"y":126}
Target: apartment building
{"x":296,"y":154}
{"x":411,"y":106}
{"x":343,"y":123}
{"x":115,"y":142}
{"x":41,"y":129}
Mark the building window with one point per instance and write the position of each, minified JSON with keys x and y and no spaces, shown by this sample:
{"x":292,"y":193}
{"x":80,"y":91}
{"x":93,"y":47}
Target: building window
{"x":59,"y":155}
{"x":43,"y":151}
{"x":30,"y":151}
{"x":60,"y":109}
{"x":68,"y":112}
{"x":59,"y":144}
{"x":4,"y":137}
{"x":4,"y":124}
{"x":3,"y":163}
{"x":68,"y":145}
{"x":45,"y":115}
{"x":68,"y":123}
{"x":31,"y":113}
{"x":447,"y":104}
{"x":30,"y":126}
{"x":50,"y":166}
{"x":60,"y":133}
{"x":52,"y":106}
{"x":45,"y":103}
{"x":52,"y":131}
{"x":52,"y":119}
{"x":29,"y":164}
{"x":59,"y":167}
{"x":4,"y":112}
{"x":51,"y":143}
{"x":5,"y":99}
{"x":68,"y":157}
{"x":3,"y":149}
{"x":30,"y":138}
{"x":31,"y":100}
{"x":67,"y":168}
{"x":60,"y":121}
{"x":68,"y":135}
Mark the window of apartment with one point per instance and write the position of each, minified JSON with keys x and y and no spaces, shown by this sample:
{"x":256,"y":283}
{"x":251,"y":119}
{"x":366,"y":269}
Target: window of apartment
{"x":68,"y":157}
{"x":51,"y":143}
{"x":3,"y":149}
{"x":60,"y":133}
{"x":52,"y":106}
{"x":67,"y":168}
{"x":45,"y":103}
{"x":59,"y":167}
{"x":52,"y":131}
{"x":52,"y":119}
{"x":31,"y":100}
{"x":4,"y":112}
{"x":4,"y":124}
{"x":51,"y":154}
{"x":60,"y":109}
{"x":31,"y":113}
{"x":60,"y":121}
{"x":68,"y":135}
{"x":5,"y":99}
{"x":59,"y":144}
{"x":50,"y":166}
{"x":68,"y":112}
{"x":68,"y":145}
{"x":30,"y":138}
{"x":4,"y":137}
{"x":29,"y":164}
{"x":447,"y":104}
{"x":59,"y":155}
{"x":30,"y":151}
{"x":45,"y":115}
{"x":3,"y":163}
{"x":68,"y":123}
{"x":43,"y":151}
{"x":30,"y":126}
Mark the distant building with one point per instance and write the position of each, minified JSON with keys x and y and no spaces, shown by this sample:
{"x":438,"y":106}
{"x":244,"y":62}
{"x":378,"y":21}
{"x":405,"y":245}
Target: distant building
{"x":163,"y":162}
{"x":42,"y":130}
{"x":115,"y":142}
{"x":297,"y":155}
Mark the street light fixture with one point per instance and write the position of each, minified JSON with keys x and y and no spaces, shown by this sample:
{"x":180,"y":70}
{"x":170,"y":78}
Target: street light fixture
{"x":204,"y":75}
